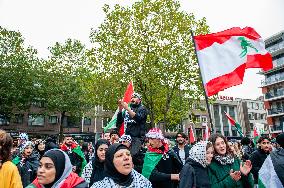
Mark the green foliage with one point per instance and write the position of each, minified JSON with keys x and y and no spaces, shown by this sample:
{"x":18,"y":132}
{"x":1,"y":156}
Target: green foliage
{"x":149,"y":43}
{"x":18,"y":72}
{"x":66,"y":85}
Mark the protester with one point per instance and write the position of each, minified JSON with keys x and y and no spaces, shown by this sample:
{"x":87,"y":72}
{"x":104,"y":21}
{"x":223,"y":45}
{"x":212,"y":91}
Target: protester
{"x":9,"y":174}
{"x":114,"y":136}
{"x":247,"y":148}
{"x":40,"y":148}
{"x":119,"y":170}
{"x":200,"y":156}
{"x":90,"y":152}
{"x":161,"y":165}
{"x":181,"y":148}
{"x":50,"y":143}
{"x":125,"y":140}
{"x":258,"y":157}
{"x":138,"y":158}
{"x":94,"y":170}
{"x":226,"y":170}
{"x":55,"y":171}
{"x":75,"y":154}
{"x":134,"y":120}
{"x":27,"y":163}
{"x":106,"y":136}
{"x":271,"y":173}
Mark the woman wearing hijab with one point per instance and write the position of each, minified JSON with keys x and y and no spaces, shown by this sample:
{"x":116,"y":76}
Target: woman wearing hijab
{"x":94,"y":170}
{"x":55,"y":171}
{"x":226,"y":170}
{"x":27,"y":163}
{"x":119,"y":170}
{"x":200,"y":157}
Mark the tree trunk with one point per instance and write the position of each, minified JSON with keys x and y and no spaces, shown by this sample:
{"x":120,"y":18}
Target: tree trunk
{"x":61,"y":126}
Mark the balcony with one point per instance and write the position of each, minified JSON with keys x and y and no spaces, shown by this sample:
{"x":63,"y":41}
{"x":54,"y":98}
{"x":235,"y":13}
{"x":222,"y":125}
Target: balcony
{"x":268,"y":82}
{"x":275,"y":112}
{"x":270,"y":96}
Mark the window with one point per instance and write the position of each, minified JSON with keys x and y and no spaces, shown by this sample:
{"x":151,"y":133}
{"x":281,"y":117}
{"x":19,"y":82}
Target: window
{"x":87,"y":121}
{"x":4,"y":120}
{"x":197,"y":118}
{"x":203,"y":119}
{"x":104,"y":122}
{"x":18,"y":118}
{"x":36,"y":120}
{"x":52,"y":120}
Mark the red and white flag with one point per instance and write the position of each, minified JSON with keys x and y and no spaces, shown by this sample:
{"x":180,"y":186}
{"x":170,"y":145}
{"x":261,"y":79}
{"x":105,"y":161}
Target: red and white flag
{"x":224,"y":56}
{"x":191,"y":135}
{"x":206,"y":134}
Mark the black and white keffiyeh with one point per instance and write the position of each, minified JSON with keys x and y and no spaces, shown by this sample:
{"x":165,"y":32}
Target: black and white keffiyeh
{"x":198,"y":153}
{"x":224,"y":160}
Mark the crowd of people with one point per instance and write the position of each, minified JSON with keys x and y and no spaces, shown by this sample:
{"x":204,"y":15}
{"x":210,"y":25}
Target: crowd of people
{"x":139,"y":159}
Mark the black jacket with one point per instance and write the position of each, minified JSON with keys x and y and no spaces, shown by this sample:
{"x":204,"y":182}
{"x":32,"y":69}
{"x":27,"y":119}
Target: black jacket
{"x":28,"y":169}
{"x":186,"y":150}
{"x":135,"y":126}
{"x":161,"y":174}
{"x":194,"y":175}
{"x":257,"y":159}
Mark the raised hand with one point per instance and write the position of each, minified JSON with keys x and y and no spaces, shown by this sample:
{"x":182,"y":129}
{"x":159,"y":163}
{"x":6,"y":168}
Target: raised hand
{"x":246,"y":167}
{"x":236,"y":175}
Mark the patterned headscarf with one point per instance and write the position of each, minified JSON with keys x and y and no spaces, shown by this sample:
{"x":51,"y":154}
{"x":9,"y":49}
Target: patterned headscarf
{"x":198,"y":153}
{"x":24,"y":145}
{"x":136,"y":95}
{"x":155,"y":133}
{"x":24,"y":137}
{"x":125,"y":137}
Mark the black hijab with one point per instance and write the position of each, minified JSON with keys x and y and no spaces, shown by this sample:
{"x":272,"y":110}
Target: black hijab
{"x":58,"y":159}
{"x":111,"y":171}
{"x":98,"y":166}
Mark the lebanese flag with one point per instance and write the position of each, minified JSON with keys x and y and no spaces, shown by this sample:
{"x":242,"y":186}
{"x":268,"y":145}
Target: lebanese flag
{"x":126,"y":98}
{"x":224,"y":56}
{"x":191,"y":135}
{"x":235,"y":124}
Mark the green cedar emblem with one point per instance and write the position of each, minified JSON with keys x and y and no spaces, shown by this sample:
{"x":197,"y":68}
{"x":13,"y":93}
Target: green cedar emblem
{"x":245,"y":44}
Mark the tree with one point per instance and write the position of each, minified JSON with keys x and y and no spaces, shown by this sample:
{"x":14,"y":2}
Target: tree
{"x":18,"y":73}
{"x":66,"y":85}
{"x":150,"y":43}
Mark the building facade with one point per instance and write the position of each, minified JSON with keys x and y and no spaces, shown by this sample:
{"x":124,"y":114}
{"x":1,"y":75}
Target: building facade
{"x":273,"y":84}
{"x":246,"y":112}
{"x":36,"y":121}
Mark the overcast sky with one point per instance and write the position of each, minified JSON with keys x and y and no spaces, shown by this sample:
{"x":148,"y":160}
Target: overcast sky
{"x":44,"y":22}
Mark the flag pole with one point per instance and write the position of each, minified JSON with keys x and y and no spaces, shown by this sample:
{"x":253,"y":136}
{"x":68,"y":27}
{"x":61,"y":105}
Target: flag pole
{"x":206,"y":97}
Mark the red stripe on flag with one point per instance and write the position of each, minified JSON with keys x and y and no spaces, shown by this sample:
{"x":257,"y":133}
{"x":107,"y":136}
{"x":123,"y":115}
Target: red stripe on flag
{"x":225,"y":81}
{"x":232,"y":121}
{"x":236,"y":77}
{"x":126,"y":98}
{"x":204,"y":41}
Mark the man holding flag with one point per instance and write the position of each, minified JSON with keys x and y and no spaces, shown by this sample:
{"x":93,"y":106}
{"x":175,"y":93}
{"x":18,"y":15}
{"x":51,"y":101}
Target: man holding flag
{"x":134,"y":119}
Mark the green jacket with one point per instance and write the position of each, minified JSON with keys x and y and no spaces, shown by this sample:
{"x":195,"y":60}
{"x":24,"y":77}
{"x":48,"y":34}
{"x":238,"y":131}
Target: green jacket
{"x":219,"y":176}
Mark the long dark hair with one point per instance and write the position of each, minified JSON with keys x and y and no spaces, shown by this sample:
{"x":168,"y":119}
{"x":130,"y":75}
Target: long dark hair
{"x":6,"y":143}
{"x":213,"y":139}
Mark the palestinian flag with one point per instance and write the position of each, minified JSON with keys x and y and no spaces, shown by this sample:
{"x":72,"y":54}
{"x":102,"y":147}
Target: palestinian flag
{"x":235,"y":124}
{"x":270,"y":172}
{"x":224,"y":56}
{"x":256,"y":135}
{"x":126,"y":98}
